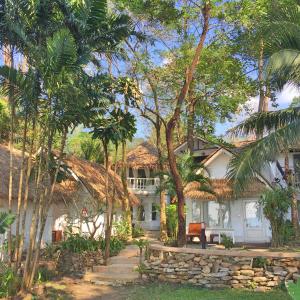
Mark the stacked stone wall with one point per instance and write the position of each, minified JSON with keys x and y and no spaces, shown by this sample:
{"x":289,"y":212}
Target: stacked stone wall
{"x":222,"y":268}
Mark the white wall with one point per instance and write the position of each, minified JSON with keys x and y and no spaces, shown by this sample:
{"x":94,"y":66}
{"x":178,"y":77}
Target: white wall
{"x":147,"y":201}
{"x":237,"y":222}
{"x":218,"y":167}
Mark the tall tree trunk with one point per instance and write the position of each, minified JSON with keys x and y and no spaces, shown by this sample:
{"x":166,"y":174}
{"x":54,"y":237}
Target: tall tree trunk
{"x":294,"y":201}
{"x":190,"y":122}
{"x":174,"y":120}
{"x":26,"y":192}
{"x":126,"y":202}
{"x":108,"y":207}
{"x":20,"y":190}
{"x":162,"y":194}
{"x":263,"y":97}
{"x":9,"y":61}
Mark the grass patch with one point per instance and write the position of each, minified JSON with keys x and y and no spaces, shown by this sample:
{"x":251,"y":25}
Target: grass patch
{"x":179,"y":292}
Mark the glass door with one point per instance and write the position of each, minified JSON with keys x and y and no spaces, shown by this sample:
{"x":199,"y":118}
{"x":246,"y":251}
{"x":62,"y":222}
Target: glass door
{"x":253,"y":221}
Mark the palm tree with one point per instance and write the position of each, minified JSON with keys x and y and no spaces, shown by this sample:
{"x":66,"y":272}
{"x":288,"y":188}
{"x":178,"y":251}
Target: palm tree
{"x":282,"y":31}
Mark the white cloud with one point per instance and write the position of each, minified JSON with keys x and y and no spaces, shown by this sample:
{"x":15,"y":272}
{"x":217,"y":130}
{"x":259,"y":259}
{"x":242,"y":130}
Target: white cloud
{"x":284,"y":98}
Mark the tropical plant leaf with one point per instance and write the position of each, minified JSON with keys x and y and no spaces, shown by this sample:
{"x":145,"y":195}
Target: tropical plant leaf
{"x":6,"y":220}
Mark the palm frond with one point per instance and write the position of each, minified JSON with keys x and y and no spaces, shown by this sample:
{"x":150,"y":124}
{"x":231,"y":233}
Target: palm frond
{"x":267,"y":121}
{"x":284,"y":67}
{"x":61,"y":51}
{"x":253,"y":158}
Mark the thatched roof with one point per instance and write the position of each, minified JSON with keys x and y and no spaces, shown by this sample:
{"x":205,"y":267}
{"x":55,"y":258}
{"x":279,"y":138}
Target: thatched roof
{"x":143,"y":156}
{"x":93,"y":177}
{"x":223,"y":190}
{"x":84,"y":174}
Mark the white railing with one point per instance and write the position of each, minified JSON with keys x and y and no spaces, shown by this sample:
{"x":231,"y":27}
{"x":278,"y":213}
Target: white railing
{"x":140,"y":185}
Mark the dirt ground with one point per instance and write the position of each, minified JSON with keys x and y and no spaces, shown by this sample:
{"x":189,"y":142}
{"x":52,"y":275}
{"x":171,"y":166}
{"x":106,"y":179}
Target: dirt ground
{"x":72,"y":289}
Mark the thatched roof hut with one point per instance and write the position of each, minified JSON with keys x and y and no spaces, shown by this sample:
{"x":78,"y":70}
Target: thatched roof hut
{"x":143,"y":156}
{"x":82,"y":174}
{"x":223,"y":190}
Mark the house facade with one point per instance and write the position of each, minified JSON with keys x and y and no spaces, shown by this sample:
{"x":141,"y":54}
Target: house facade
{"x":78,"y":201}
{"x":240,"y":217}
{"x":143,"y":181}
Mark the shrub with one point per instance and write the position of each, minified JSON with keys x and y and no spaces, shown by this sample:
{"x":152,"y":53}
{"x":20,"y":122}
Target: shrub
{"x":137,"y":231}
{"x":9,"y":281}
{"x":116,"y":245}
{"x":77,"y":243}
{"x":227,"y":241}
{"x":259,"y":262}
{"x":172,"y":221}
{"x":276,"y":204}
{"x":44,"y":274}
{"x":122,"y":230}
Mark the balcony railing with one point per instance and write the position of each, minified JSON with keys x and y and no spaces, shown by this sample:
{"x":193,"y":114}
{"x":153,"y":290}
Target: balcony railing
{"x":143,"y":185}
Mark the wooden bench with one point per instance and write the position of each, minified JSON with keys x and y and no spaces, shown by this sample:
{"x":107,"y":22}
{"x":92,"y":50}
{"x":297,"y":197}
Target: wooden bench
{"x":194,"y":231}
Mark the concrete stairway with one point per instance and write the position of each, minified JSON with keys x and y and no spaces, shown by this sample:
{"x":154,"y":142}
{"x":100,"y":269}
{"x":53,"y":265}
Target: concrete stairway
{"x":120,"y":270}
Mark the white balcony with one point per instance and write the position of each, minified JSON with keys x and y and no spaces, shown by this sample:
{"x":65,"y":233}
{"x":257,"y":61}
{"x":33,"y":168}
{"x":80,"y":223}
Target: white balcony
{"x":143,"y":185}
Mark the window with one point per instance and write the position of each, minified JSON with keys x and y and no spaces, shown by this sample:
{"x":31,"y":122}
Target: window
{"x":141,"y":213}
{"x":196,"y":211}
{"x":130,"y":173}
{"x":142,"y":173}
{"x":154,"y":211}
{"x":253,"y":214}
{"x":218,"y":214}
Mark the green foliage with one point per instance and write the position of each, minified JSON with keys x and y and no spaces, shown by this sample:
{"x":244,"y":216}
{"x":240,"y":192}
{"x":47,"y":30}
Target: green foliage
{"x":294,"y":289}
{"x":6,"y":220}
{"x":116,"y":246}
{"x":189,"y":172}
{"x":4,"y":122}
{"x":83,"y":146}
{"x":141,"y":243}
{"x":122,"y":230}
{"x":227,"y":241}
{"x":77,"y":243}
{"x":9,"y":281}
{"x":44,"y":274}
{"x":275,"y":204}
{"x":172,"y":221}
{"x":259,"y":262}
{"x":137,"y":231}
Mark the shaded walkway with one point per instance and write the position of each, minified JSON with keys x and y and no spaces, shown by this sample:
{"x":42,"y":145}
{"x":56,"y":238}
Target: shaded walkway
{"x":120,"y":270}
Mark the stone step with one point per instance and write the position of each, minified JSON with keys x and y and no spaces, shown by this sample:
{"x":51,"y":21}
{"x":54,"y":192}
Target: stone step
{"x":111,"y":277}
{"x":115,"y":268}
{"x":120,"y":260}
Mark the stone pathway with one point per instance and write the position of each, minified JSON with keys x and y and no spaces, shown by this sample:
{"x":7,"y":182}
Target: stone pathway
{"x":120,"y":270}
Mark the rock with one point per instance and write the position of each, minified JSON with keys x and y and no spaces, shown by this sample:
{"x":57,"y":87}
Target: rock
{"x":292,"y":269}
{"x":234,"y":281}
{"x":203,"y":263}
{"x":188,"y":257}
{"x":246,"y":267}
{"x":242,"y":277}
{"x":206,"y":269}
{"x":261,"y":289}
{"x":247,"y":272}
{"x":237,"y":286}
{"x":296,"y":276}
{"x":260,"y":279}
{"x":272,"y":283}
{"x":167,"y":270}
{"x":197,"y":259}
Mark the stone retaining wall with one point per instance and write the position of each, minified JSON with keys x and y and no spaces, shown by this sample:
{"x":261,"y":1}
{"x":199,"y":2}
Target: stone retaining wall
{"x":222,"y":268}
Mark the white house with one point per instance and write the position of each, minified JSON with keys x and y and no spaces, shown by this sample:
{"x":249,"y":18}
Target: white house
{"x":79,"y":199}
{"x":143,"y":180}
{"x":223,"y":212}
